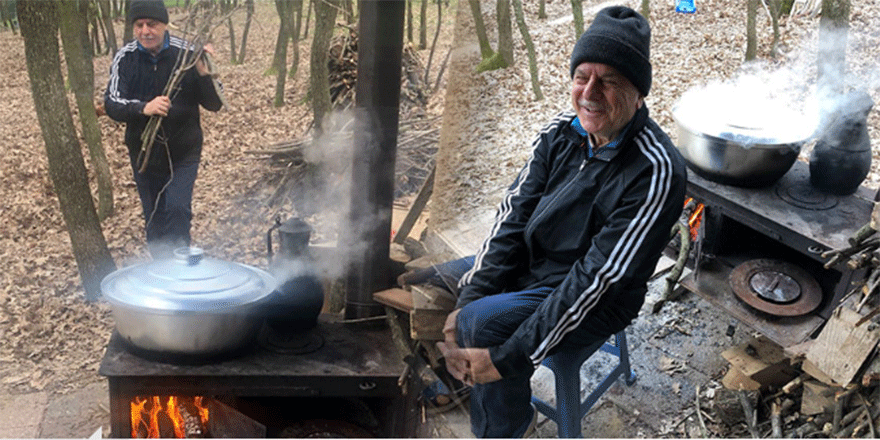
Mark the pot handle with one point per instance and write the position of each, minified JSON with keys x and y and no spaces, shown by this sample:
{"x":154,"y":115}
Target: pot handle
{"x":269,"y":238}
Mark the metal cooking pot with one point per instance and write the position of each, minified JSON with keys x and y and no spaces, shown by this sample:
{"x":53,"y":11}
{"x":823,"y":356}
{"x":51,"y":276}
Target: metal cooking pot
{"x":742,"y":148}
{"x":189,"y":305}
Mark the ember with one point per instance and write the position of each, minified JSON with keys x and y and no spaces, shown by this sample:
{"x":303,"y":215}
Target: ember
{"x":180,"y":417}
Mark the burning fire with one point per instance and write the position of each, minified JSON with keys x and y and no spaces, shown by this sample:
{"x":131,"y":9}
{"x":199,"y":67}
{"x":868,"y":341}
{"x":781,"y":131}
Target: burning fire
{"x":696,"y":216}
{"x":180,"y":417}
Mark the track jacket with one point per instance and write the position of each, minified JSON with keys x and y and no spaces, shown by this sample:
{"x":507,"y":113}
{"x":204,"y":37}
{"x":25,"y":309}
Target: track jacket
{"x":136,"y":77}
{"x":591,"y":228}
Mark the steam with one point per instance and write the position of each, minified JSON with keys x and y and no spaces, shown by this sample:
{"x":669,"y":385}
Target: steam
{"x":783,"y":101}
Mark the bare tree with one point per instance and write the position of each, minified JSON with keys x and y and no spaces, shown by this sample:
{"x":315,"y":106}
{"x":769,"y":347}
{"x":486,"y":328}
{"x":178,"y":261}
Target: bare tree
{"x":751,"y":34}
{"x":486,"y":50}
{"x":285,"y":13}
{"x":296,"y":22}
{"x":434,"y":43}
{"x":542,"y":9}
{"x":127,"y":31}
{"x":40,"y":23}
{"x":423,"y":25}
{"x":249,"y":7}
{"x":409,"y":23}
{"x":646,"y":9}
{"x":7,"y":14}
{"x":533,"y":63}
{"x":319,"y":82}
{"x":577,"y":12}
{"x":81,"y":76}
{"x":226,"y":8}
{"x":505,"y":31}
{"x":107,"y":20}
{"x":833,"y":30}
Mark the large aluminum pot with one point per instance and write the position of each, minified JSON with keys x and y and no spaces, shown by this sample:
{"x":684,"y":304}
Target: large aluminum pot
{"x":188,"y":306}
{"x":751,"y":148}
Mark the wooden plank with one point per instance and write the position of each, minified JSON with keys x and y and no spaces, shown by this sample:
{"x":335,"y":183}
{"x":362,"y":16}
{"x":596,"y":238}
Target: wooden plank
{"x":397,"y":298}
{"x":429,"y":296}
{"x":427,"y":324}
{"x":762,"y":361}
{"x":816,"y":398}
{"x":416,"y":209}
{"x":842,"y":347}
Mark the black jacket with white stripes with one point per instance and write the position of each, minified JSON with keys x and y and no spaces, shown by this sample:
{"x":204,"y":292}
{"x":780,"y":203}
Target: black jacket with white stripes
{"x":590,"y":228}
{"x":136,"y":77}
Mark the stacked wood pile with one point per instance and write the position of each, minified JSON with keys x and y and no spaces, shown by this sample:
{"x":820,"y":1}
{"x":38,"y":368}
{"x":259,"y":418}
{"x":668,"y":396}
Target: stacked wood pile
{"x":825,"y":387}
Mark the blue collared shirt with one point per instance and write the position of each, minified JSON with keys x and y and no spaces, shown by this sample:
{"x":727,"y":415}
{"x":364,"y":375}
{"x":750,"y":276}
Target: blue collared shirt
{"x":576,"y":125}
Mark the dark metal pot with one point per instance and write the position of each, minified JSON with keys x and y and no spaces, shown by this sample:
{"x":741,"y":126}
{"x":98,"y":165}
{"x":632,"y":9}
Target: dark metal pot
{"x":299,"y":298}
{"x":188,"y":306}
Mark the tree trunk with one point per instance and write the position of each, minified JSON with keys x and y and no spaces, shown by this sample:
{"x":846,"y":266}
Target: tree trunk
{"x":308,"y":19}
{"x":296,"y":21}
{"x":542,"y":9}
{"x":505,"y":31}
{"x":434,"y":43}
{"x":127,"y":31}
{"x":577,"y":12}
{"x":226,"y":8}
{"x":423,"y":25}
{"x":751,"y":34}
{"x":409,"y":24}
{"x":486,"y":51}
{"x":319,"y":83}
{"x":67,"y":169}
{"x":107,"y":19}
{"x":833,"y":30}
{"x":249,"y":6}
{"x":774,"y":6}
{"x":81,"y":77}
{"x":533,"y":63}
{"x":280,"y":59}
{"x":646,"y":9}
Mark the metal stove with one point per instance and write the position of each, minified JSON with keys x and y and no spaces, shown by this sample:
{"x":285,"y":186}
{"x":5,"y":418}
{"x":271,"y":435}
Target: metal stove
{"x":758,"y":254}
{"x":353,"y":376}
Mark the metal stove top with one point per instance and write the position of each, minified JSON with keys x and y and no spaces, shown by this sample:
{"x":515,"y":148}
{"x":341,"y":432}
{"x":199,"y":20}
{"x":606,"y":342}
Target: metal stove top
{"x":789,"y":221}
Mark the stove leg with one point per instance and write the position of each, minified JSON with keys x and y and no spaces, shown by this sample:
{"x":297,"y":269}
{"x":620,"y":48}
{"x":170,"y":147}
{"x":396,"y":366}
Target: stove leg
{"x":120,"y":411}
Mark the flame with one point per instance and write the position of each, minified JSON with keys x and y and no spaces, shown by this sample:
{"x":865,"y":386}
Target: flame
{"x":146,"y":411}
{"x":695,"y":218}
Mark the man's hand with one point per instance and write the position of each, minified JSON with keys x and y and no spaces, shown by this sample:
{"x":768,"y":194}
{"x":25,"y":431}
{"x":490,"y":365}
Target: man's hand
{"x":201,"y":67}
{"x":469,"y":365}
{"x":158,"y":106}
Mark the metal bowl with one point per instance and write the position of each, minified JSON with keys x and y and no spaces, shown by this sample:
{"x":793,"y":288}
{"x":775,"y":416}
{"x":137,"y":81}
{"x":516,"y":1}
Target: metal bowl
{"x":188,"y":306}
{"x":735,"y":154}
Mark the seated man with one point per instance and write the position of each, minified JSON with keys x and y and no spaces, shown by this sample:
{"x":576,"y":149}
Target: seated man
{"x":577,"y":235}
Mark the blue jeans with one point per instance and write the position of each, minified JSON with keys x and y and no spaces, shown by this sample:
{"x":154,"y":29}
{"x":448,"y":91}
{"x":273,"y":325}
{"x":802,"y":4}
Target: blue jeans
{"x":503,"y":408}
{"x":168,"y":211}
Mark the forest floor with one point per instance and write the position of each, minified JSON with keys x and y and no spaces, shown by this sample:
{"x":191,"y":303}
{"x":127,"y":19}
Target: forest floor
{"x":53,"y":340}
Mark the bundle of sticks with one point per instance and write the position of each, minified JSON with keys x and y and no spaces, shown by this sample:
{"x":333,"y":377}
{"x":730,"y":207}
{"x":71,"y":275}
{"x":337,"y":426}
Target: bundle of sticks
{"x":863,"y":252}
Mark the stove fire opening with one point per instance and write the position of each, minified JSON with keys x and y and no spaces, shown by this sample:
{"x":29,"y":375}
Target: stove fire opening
{"x":169,"y":417}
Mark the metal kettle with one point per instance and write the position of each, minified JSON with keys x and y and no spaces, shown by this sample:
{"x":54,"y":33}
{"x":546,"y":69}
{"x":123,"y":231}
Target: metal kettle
{"x":841,"y":159}
{"x":297,"y":302}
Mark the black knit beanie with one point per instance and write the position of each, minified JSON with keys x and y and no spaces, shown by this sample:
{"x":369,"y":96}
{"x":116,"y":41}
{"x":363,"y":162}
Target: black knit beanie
{"x":154,"y":9}
{"x":619,"y":37}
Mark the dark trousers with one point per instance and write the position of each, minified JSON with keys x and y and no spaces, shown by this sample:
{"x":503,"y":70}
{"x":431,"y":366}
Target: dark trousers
{"x":503,"y":408}
{"x":166,"y":199}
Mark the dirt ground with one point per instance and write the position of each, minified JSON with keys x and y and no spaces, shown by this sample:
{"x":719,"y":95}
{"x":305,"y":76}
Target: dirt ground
{"x":53,"y":340}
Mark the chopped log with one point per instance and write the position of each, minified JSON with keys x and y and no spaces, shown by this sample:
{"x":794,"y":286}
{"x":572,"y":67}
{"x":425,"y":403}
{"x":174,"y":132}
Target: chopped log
{"x":815,"y":399}
{"x":842,"y":347}
{"x":416,"y":210}
{"x":776,"y":420}
{"x":726,"y":407}
{"x":762,"y":361}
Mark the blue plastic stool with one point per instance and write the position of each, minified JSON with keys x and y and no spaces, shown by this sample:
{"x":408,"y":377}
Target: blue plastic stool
{"x":566,"y":367}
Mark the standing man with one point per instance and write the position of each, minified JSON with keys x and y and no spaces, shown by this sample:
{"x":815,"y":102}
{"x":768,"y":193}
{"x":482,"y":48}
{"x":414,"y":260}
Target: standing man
{"x":577,"y":235}
{"x":138,"y":76}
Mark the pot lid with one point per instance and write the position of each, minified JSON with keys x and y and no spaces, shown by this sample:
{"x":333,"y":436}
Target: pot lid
{"x":189,"y":282}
